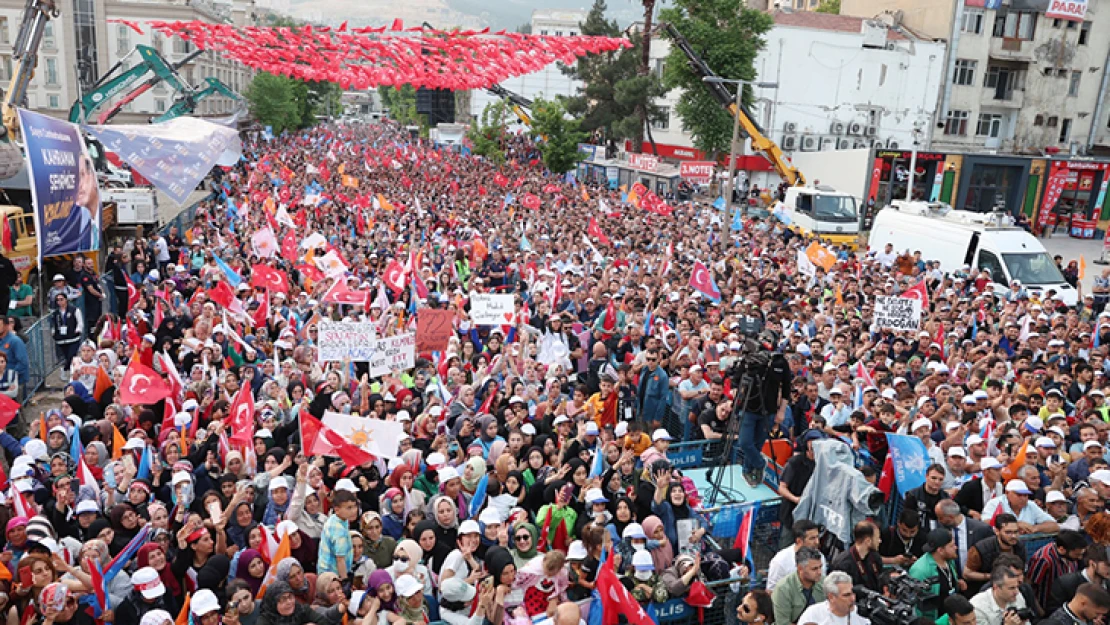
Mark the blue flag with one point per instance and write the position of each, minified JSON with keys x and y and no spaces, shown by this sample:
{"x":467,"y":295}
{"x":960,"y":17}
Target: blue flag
{"x":719,"y":203}
{"x":144,"y":472}
{"x":525,"y":244}
{"x":508,"y":199}
{"x":599,"y":462}
{"x":737,"y":222}
{"x":479,"y":495}
{"x":76,"y":449}
{"x":233,"y":278}
{"x":910,"y":459}
{"x":120,"y":561}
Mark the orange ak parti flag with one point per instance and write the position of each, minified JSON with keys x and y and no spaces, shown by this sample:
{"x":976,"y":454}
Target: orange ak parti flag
{"x":117,"y":443}
{"x":1009,"y":471}
{"x":183,"y":615}
{"x":103,"y":383}
{"x":284,"y":550}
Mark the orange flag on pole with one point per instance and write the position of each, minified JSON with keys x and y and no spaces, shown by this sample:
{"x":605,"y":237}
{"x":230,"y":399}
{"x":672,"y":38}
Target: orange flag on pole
{"x":117,"y":443}
{"x":183,"y":615}
{"x":1010,"y":471}
{"x":103,"y":383}
{"x":284,"y":550}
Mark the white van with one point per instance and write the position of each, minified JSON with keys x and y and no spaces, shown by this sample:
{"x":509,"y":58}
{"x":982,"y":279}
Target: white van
{"x":982,"y":240}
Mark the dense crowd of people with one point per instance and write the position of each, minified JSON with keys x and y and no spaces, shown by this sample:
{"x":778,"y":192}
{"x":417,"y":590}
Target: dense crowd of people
{"x":534,"y":452}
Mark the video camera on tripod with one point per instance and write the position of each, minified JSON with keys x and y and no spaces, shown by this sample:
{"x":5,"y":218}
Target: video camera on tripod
{"x":883,"y":610}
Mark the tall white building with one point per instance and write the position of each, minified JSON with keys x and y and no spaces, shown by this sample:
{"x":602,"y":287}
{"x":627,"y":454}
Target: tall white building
{"x":550,"y":81}
{"x":52,"y":89}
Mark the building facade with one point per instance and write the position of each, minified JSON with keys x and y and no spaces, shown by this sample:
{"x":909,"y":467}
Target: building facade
{"x":83,"y":43}
{"x":1019,"y":78}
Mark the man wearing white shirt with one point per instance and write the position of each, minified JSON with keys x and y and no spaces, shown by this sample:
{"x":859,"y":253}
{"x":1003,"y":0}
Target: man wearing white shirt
{"x":1031,"y":519}
{"x":886,"y":257}
{"x":998,"y":605}
{"x":806,"y":534}
{"x":839,"y":608}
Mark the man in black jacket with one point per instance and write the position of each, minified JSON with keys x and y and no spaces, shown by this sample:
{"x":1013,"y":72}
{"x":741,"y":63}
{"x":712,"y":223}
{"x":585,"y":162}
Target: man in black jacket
{"x":1096,"y":572}
{"x":923,"y":499}
{"x":862,"y":560}
{"x":8,"y":276}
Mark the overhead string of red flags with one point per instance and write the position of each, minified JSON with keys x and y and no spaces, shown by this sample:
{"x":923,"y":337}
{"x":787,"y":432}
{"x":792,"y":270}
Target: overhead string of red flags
{"x":362,"y":58}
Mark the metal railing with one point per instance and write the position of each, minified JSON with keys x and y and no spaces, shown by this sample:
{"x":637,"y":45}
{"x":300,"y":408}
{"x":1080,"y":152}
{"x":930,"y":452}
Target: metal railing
{"x":41,"y":354}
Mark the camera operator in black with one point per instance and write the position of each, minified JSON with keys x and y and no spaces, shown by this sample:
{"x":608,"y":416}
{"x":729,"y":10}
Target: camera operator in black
{"x":862,"y":560}
{"x":768,"y":394}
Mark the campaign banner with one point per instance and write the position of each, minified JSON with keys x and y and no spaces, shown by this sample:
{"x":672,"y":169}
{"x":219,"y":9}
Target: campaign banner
{"x":346,"y":340}
{"x":175,"y":155}
{"x":393,"y":353}
{"x":490,"y":309}
{"x":897,"y":313}
{"x":910,"y":459}
{"x":377,"y":437}
{"x":645,"y":162}
{"x":1072,"y":10}
{"x":700,"y":172}
{"x":64,"y":188}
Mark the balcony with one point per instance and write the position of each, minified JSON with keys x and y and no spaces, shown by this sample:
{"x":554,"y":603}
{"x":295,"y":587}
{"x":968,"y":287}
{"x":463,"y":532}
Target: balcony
{"x":1006,"y":99}
{"x":1010,"y":49}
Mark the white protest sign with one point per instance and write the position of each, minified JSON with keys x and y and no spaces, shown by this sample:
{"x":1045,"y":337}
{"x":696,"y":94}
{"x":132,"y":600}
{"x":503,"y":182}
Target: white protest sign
{"x":393,"y":352}
{"x":353,"y":340}
{"x":490,"y":309}
{"x":897,"y":313}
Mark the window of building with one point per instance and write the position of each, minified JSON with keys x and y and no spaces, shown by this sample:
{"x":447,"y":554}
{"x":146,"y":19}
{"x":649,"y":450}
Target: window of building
{"x":1015,"y":24}
{"x":3,"y":30}
{"x":1004,"y":80}
{"x":180,"y":46}
{"x":159,"y":105}
{"x":1056,"y":22}
{"x":1073,"y":86}
{"x":543,"y":32}
{"x":51,"y":71}
{"x":1062,"y":73}
{"x":156,"y":41}
{"x":664,"y":121}
{"x":571,"y":33}
{"x":6,"y":67}
{"x":956,"y":123}
{"x":1084,"y":33}
{"x":990,"y":125}
{"x":1052,"y":121}
{"x":1065,"y":131}
{"x":972,"y":21}
{"x":48,"y":35}
{"x":1038,"y":120}
{"x":1072,"y":25}
{"x":123,"y":39}
{"x":659,"y":64}
{"x":558,"y":33}
{"x":965,"y":71}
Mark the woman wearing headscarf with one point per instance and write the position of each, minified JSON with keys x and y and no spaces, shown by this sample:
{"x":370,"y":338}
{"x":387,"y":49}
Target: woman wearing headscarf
{"x":524,"y":547}
{"x":154,"y":556}
{"x":433,"y":552}
{"x":125,"y":524}
{"x":378,"y":547}
{"x":624,"y":512}
{"x":393,"y":513}
{"x":404,"y":478}
{"x":487,"y":433}
{"x":680,"y":524}
{"x":251,"y":568}
{"x":240,"y":524}
{"x":406,"y":561}
{"x":472,"y":473}
{"x":378,"y":579}
{"x":300,"y":583}
{"x":305,"y":507}
{"x":329,"y":590}
{"x":662,"y":554}
{"x":281,"y":606}
{"x":444,"y":513}
{"x":213,"y":575}
{"x":502,"y":569}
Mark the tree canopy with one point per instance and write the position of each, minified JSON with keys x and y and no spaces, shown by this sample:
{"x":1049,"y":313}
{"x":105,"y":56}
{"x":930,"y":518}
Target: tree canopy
{"x":559,"y":135}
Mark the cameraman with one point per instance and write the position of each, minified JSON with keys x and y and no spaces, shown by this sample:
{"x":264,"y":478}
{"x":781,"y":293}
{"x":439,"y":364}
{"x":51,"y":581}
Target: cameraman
{"x":1002,"y":603}
{"x":862,"y":561}
{"x":767,"y":398}
{"x":839,"y":606}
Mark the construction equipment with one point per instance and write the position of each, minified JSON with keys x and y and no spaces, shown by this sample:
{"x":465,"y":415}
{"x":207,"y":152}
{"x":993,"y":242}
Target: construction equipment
{"x":188,"y":103}
{"x":114,"y":83}
{"x":518,"y":104}
{"x":760,"y":141}
{"x":25,"y":55}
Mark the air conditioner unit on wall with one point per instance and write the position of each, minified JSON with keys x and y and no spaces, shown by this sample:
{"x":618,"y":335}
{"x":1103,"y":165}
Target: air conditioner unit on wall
{"x":878,"y":143}
{"x":843,"y":143}
{"x":871,"y":131}
{"x":828,"y":143}
{"x":855,"y":128}
{"x":892,"y":144}
{"x":790,"y":142}
{"x":836,"y":128}
{"x":790,"y":127}
{"x":810,"y":143}
{"x":859,"y":143}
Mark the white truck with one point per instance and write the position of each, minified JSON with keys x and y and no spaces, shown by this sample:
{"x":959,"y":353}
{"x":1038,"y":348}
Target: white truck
{"x":956,"y":238}
{"x":134,"y":206}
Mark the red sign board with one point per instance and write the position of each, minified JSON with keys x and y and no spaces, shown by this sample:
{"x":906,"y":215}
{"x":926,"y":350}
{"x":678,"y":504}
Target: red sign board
{"x":700,"y":172}
{"x":646,"y":162}
{"x":1073,"y":10}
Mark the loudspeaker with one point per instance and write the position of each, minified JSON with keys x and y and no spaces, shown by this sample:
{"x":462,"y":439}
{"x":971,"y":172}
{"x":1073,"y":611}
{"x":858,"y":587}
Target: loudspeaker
{"x":437,"y":104}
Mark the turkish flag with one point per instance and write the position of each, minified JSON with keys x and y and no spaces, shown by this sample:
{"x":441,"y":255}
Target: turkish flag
{"x":500,"y":180}
{"x":320,"y":440}
{"x":269,"y":278}
{"x":8,"y":409}
{"x":939,"y":339}
{"x":310,"y":272}
{"x":918,"y":291}
{"x":132,"y":292}
{"x":340,"y":293}
{"x":551,"y":188}
{"x":530,"y":201}
{"x":240,"y":416}
{"x":594,"y":230}
{"x":394,"y":277}
{"x":701,"y":280}
{"x":261,"y":314}
{"x":289,"y":246}
{"x":142,"y":385}
{"x":616,"y":600}
{"x":221,"y":294}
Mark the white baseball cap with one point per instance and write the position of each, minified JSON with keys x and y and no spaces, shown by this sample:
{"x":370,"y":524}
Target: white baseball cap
{"x":407,"y":586}
{"x":957,"y":452}
{"x":661,"y":435}
{"x":87,"y":505}
{"x":1055,"y":496}
{"x":489,"y":516}
{"x":203,"y":602}
{"x":347,"y":485}
{"x":577,"y":551}
{"x":278,"y":482}
{"x":560,"y":419}
{"x":469,"y":526}
{"x":634,"y":530}
{"x":595,"y":495}
{"x":447,"y":474}
{"x":921,"y":423}
{"x":1102,"y":475}
{"x":147,"y":582}
{"x":620,"y":430}
{"x":1045,"y":441}
{"x":989,"y":463}
{"x":1018,"y":486}
{"x":974,"y":439}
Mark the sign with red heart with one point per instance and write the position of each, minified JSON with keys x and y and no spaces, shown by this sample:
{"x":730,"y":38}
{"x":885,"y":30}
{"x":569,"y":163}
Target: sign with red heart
{"x":487,"y":309}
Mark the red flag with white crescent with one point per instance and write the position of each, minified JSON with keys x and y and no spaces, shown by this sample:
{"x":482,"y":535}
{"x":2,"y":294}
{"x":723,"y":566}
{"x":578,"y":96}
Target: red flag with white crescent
{"x":269,"y":278}
{"x":241,"y":415}
{"x":340,"y":293}
{"x":394,"y":277}
{"x":142,"y":385}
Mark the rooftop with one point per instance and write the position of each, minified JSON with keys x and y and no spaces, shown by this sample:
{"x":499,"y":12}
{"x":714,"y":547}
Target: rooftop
{"x":827,"y":21}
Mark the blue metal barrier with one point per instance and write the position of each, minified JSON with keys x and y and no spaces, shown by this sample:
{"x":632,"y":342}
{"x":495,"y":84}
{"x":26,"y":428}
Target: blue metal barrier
{"x":41,"y":354}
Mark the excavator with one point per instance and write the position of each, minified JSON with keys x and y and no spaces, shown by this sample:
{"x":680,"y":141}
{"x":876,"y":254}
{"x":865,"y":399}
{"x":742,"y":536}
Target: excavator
{"x":518,"y":104}
{"x":819,"y":210}
{"x":188,"y":103}
{"x":114,"y":83}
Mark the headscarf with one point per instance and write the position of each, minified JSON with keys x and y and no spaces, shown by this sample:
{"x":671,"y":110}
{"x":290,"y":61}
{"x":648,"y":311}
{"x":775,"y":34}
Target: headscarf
{"x":519,"y":480}
{"x":323,"y":580}
{"x":478,"y":469}
{"x":282,"y":574}
{"x":242,"y":570}
{"x":268,"y":612}
{"x":239,"y":534}
{"x":663,"y":555}
{"x":497,"y":559}
{"x":496,"y":450}
{"x":614,"y":521}
{"x":413,"y":551}
{"x":680,"y":512}
{"x":523,"y":557}
{"x":378,"y":579}
{"x":122,"y":535}
{"x":434,"y":557}
{"x":102,"y":453}
{"x":213,"y":575}
{"x":142,"y":558}
{"x":501,"y":466}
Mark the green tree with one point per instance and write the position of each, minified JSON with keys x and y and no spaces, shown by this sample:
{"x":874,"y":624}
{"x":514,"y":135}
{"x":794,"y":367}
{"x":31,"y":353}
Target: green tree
{"x":727,"y":35}
{"x":557,"y":134}
{"x":613,"y":89}
{"x":487,"y":133}
{"x":829,"y":6}
{"x":402,"y":105}
{"x":274,"y":102}
{"x":525,"y":28}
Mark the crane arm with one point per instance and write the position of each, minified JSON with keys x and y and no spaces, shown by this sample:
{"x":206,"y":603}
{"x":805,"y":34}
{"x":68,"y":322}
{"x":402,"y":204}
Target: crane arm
{"x":760,"y":141}
{"x":150,"y":62}
{"x":184,"y":106}
{"x":518,"y":104}
{"x":25,"y":55}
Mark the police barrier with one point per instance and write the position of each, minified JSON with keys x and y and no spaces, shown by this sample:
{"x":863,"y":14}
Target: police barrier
{"x":41,"y":354}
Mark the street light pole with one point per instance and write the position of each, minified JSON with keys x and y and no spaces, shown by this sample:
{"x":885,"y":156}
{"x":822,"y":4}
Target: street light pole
{"x":913,"y":164}
{"x":729,"y":191}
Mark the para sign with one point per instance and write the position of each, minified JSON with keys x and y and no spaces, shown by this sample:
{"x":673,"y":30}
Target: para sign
{"x":700,"y":172}
{"x":1073,"y":10}
{"x":346,"y":340}
{"x":490,"y":309}
{"x":393,"y":352}
{"x":897,"y":313}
